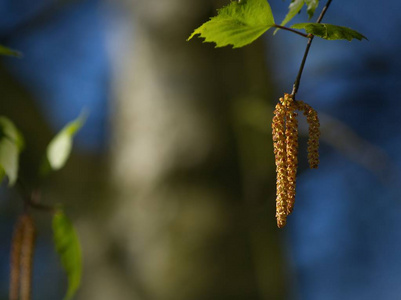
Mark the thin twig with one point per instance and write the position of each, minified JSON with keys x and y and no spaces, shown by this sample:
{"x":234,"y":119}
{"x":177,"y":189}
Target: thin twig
{"x":301,"y":68}
{"x":292,"y":30}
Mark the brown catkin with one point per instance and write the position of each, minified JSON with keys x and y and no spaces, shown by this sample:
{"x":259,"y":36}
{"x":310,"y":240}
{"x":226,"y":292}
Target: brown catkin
{"x":314,"y":134}
{"x":278,"y":126}
{"x":27,"y":249}
{"x":291,"y":134}
{"x":15,"y":258}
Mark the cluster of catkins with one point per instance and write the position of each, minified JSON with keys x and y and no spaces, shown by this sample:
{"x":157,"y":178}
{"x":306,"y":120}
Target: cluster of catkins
{"x":285,"y":142}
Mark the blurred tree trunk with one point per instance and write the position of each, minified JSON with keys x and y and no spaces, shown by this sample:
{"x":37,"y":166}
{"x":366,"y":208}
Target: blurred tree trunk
{"x":191,"y":211}
{"x":190,"y":219}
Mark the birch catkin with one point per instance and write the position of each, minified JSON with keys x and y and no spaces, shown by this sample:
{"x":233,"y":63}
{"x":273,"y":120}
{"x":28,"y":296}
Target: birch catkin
{"x":285,"y":144}
{"x":15,"y":259}
{"x":314,"y":133}
{"x":21,"y":258}
{"x":279,"y":146}
{"x":291,"y":133}
{"x":28,"y":241}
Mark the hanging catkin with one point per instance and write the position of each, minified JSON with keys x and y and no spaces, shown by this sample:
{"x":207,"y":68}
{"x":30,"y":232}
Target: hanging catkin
{"x":279,"y":145}
{"x":15,"y":259}
{"x":291,"y":133}
{"x":28,"y":241}
{"x":285,"y":144}
{"x":314,"y":133}
{"x":21,"y":258}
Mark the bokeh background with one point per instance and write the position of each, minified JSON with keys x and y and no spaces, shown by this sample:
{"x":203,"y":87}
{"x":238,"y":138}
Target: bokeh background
{"x":171,"y":184}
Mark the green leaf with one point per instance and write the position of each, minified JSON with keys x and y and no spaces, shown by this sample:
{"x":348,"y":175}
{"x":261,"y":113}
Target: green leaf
{"x":311,"y":7}
{"x":68,"y":248}
{"x":11,"y":144}
{"x":9,"y":52}
{"x":237,"y":24}
{"x":8,"y":160}
{"x":330,"y":32}
{"x":9,"y":130}
{"x":59,"y":148}
{"x":294,"y":8}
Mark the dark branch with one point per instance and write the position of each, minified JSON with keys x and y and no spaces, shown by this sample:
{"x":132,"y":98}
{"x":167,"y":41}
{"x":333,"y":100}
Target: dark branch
{"x":301,"y":68}
{"x":291,"y":30}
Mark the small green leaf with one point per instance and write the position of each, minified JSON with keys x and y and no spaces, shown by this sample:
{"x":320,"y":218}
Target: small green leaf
{"x":11,"y":144}
{"x":68,"y":248}
{"x":9,"y":52}
{"x":8,"y":129}
{"x":237,"y":24}
{"x":59,"y":148}
{"x":294,"y":8}
{"x":330,"y":32}
{"x":311,"y":7}
{"x":8,"y":160}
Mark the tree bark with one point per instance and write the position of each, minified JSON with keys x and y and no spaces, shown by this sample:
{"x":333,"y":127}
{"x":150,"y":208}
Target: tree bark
{"x":190,"y":219}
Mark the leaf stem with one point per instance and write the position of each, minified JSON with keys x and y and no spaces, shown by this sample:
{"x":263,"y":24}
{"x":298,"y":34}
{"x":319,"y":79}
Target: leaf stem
{"x":301,"y":68}
{"x":291,"y":30}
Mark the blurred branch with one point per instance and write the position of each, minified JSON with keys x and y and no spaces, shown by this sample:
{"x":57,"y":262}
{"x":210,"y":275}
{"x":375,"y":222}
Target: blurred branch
{"x":32,"y":198}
